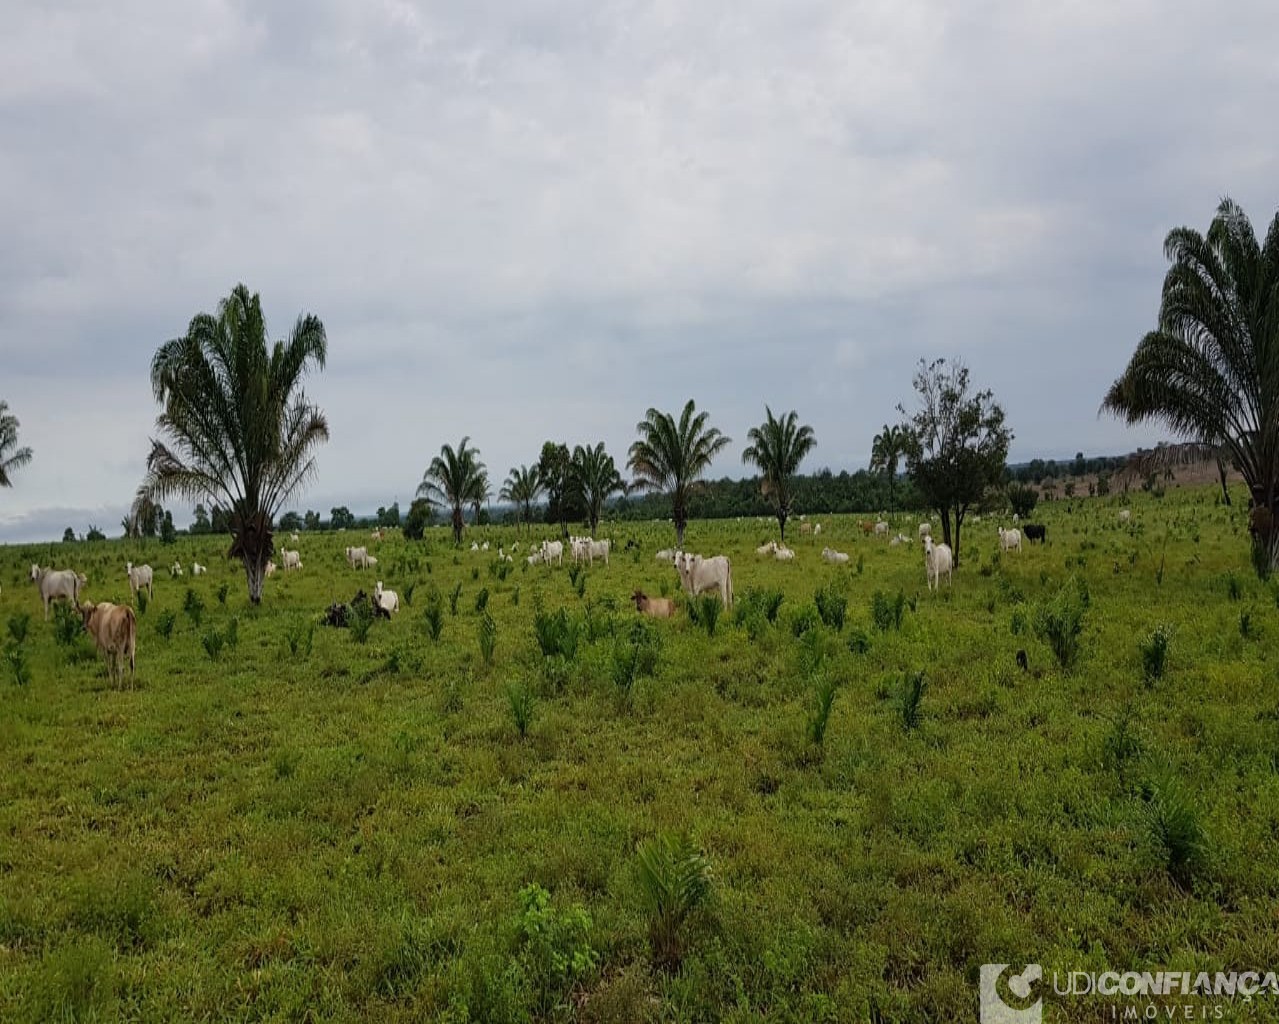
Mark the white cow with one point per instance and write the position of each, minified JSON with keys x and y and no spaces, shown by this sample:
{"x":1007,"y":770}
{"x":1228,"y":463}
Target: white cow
{"x":57,"y":584}
{"x":270,"y":568}
{"x":881,"y":529}
{"x":901,"y":538}
{"x":700,"y":574}
{"x":475,"y":545}
{"x":139,"y":576}
{"x":553,"y":549}
{"x":293,"y":537}
{"x":836,"y":557}
{"x":1125,"y":514}
{"x":597,"y":549}
{"x":357,"y":558}
{"x":817,"y":529}
{"x":925,"y":529}
{"x":198,"y":570}
{"x":290,"y":559}
{"x":175,"y":569}
{"x":484,"y":546}
{"x":783,"y":554}
{"x":387,"y":600}
{"x":937,"y":560}
{"x":535,"y":558}
{"x":666,"y":555}
{"x":580,"y":547}
{"x":766,"y":549}
{"x":1009,"y":540}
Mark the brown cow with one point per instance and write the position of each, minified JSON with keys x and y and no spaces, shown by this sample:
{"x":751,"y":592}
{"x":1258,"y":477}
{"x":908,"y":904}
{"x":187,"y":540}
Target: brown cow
{"x":657,"y":607}
{"x":115,"y":630}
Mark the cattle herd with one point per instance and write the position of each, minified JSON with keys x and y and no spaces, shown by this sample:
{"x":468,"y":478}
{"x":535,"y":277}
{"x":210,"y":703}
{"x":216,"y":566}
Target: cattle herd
{"x":114,"y":627}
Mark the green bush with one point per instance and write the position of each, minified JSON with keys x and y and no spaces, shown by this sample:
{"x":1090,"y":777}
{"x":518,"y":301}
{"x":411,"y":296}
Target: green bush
{"x":486,"y":635}
{"x":803,"y":619}
{"x":823,"y":699}
{"x":674,"y":881}
{"x":15,"y":658}
{"x":300,"y":637}
{"x":1173,"y":828}
{"x":886,"y":612}
{"x":858,"y":641}
{"x":433,"y":614}
{"x":704,"y":611}
{"x":1022,"y":498}
{"x":360,"y":620}
{"x":557,"y":633}
{"x":554,"y":951}
{"x":165,"y":622}
{"x":222,"y":592}
{"x":1154,"y":652}
{"x":482,"y":599}
{"x":193,"y":605}
{"x":910,"y":700}
{"x":68,"y":625}
{"x":454,"y":594}
{"x":519,"y":698}
{"x":832,"y":607}
{"x":1059,"y":621}
{"x":213,"y":642}
{"x":19,"y":625}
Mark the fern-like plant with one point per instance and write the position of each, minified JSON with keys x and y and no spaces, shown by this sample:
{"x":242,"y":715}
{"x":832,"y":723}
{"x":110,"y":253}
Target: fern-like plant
{"x":675,"y":881}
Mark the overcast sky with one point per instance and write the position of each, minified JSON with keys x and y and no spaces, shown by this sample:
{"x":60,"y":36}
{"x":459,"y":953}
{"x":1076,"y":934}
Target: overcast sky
{"x":534,"y":220}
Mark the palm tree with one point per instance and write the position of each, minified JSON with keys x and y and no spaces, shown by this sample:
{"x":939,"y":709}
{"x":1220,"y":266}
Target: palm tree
{"x":594,"y":479}
{"x":237,"y":426}
{"x":522,"y":488}
{"x":777,"y":448}
{"x":886,"y":451}
{"x":672,"y":456}
{"x":1210,"y":369}
{"x":11,"y":456}
{"x":456,"y":479}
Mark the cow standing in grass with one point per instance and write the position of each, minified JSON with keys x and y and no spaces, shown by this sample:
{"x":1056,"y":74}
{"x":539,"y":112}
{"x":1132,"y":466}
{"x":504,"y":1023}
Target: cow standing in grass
{"x":115,"y":631}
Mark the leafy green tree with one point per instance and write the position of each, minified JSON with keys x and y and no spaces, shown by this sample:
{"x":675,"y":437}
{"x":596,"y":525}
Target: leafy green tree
{"x":594,"y":479}
{"x":168,"y":532}
{"x":522,"y":487}
{"x":311,"y":520}
{"x":956,"y":444}
{"x":238,"y":426}
{"x":1209,"y":371}
{"x":418,"y":519}
{"x":553,"y":471}
{"x":389,"y":516}
{"x":290,"y":522}
{"x":200,"y":523}
{"x":341,"y":518}
{"x":455,"y":478}
{"x":671,"y":456}
{"x":776,"y":449}
{"x":886,"y":451}
{"x":220,"y":520}
{"x":68,"y":536}
{"x":11,"y":456}
{"x":94,"y":533}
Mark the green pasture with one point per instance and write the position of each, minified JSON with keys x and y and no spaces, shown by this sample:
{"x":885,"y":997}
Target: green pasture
{"x":281,"y":822}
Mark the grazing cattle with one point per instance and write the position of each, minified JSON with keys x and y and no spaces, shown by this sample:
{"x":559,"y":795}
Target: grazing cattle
{"x":597,"y":549}
{"x":766,"y":549}
{"x":657,"y":607}
{"x":881,"y":529}
{"x":370,"y":561}
{"x":1023,"y":662}
{"x":270,"y":568}
{"x":293,"y":537}
{"x":783,"y":554}
{"x":925,"y":529}
{"x":1016,"y":518}
{"x":836,"y":557}
{"x":867,"y":528}
{"x":579,"y":547}
{"x":817,"y":529}
{"x":175,"y":570}
{"x":535,"y":558}
{"x":901,"y":538}
{"x":290,"y":559}
{"x":805,"y":527}
{"x":553,"y":549}
{"x":1125,"y":514}
{"x":475,"y":545}
{"x":198,"y":570}
{"x":115,"y":631}
{"x":387,"y":600}
{"x":57,"y":585}
{"x":937,"y":560}
{"x":699,"y":574}
{"x":139,"y":576}
{"x":357,"y":558}
{"x":376,"y":535}
{"x":1009,"y":540}
{"x":1036,"y":531}
{"x":484,"y":546}
{"x":666,"y":555}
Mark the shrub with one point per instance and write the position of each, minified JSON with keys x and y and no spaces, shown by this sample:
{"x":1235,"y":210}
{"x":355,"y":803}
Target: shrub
{"x":1059,"y":621}
{"x":519,"y":698}
{"x":1234,"y":589}
{"x":580,"y":586}
{"x":486,"y":634}
{"x":755,"y":602}
{"x":223,"y":590}
{"x":300,"y":636}
{"x":910,"y":699}
{"x":1246,"y":629}
{"x":67,"y":625}
{"x":193,"y":605}
{"x":408,"y":593}
{"x":1017,"y":624}
{"x":675,"y":881}
{"x":554,"y":953}
{"x":1154,"y":652}
{"x":704,"y":611}
{"x":232,"y":633}
{"x":360,"y":620}
{"x":1173,"y":827}
{"x":832,"y":607}
{"x":804,"y":619}
{"x":482,"y":599}
{"x":858,"y":641}
{"x":1022,"y":498}
{"x":886,"y":612}
{"x":213,"y":642}
{"x":19,"y":624}
{"x":635,"y":656}
{"x":15,"y":658}
{"x":557,"y":634}
{"x":454,"y":594}
{"x":823,"y":699}
{"x":164,"y":624}
{"x":142,"y":599}
{"x":433,"y":614}
{"x":1121,"y":744}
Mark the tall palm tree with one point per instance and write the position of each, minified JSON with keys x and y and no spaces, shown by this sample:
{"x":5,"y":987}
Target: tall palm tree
{"x":671,"y":456}
{"x":237,"y":428}
{"x":1210,"y":369}
{"x":11,"y":456}
{"x":886,"y":451}
{"x":456,"y":479}
{"x":522,"y":488}
{"x":594,"y":478}
{"x":777,"y":448}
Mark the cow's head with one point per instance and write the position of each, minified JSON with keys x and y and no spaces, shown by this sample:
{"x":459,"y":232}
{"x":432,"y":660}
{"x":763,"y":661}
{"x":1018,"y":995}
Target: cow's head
{"x":639,"y":597}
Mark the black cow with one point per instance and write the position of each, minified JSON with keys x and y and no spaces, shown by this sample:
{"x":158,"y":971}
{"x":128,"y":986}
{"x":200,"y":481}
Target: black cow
{"x":1035,"y":531}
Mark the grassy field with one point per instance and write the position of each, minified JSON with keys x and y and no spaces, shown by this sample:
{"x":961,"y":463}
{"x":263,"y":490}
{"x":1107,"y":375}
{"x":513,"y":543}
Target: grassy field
{"x":284,"y":823}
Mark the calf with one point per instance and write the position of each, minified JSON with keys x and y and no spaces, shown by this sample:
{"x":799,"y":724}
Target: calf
{"x":57,"y":585}
{"x":115,"y":631}
{"x":657,"y":607}
{"x":140,"y":577}
{"x":1036,"y":531}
